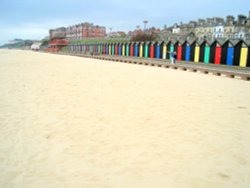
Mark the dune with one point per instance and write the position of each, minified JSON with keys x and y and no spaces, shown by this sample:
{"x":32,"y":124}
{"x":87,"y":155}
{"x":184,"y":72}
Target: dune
{"x":76,"y":122}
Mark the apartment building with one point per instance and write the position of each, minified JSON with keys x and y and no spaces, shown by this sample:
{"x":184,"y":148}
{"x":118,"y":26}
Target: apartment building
{"x":216,"y":28}
{"x":85,"y":31}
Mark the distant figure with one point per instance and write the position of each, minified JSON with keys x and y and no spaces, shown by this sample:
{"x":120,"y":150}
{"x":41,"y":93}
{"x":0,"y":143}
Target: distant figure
{"x":172,"y":57}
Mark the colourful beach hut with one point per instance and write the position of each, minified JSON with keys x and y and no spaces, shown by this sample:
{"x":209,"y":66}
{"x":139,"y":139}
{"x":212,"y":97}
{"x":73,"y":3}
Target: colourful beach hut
{"x":207,"y":50}
{"x":120,"y":48}
{"x":82,"y":48}
{"x":116,"y":48}
{"x":107,"y":48}
{"x":77,"y":48}
{"x":197,"y":50}
{"x":204,"y":51}
{"x":237,"y":52}
{"x":212,"y":47}
{"x":218,"y":52}
{"x":94,"y":48}
{"x":202,"y":44}
{"x":112,"y":48}
{"x":136,"y":49}
{"x":164,"y":50}
{"x":230,"y":53}
{"x":170,"y":47}
{"x":190,"y":50}
{"x":123,"y":49}
{"x":180,"y":50}
{"x":152,"y":49}
{"x":226,"y":52}
{"x":158,"y":49}
{"x":244,"y":53}
{"x":183,"y":44}
{"x":176,"y":44}
{"x":146,"y":49}
{"x":248,"y":54}
{"x":127,"y":48}
{"x":99,"y":48}
{"x":141,"y":44}
{"x":103,"y":48}
{"x":131,"y":49}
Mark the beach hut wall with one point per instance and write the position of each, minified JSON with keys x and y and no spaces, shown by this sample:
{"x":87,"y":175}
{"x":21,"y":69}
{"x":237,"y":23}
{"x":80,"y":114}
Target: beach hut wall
{"x":237,"y":51}
{"x":146,"y":49}
{"x":141,"y":49}
{"x":164,"y":50}
{"x":131,"y":49}
{"x":248,"y":54}
{"x":152,"y":49}
{"x":127,"y":48}
{"x":244,"y":53}
{"x":197,"y":50}
{"x":158,"y":49}
{"x":136,"y":49}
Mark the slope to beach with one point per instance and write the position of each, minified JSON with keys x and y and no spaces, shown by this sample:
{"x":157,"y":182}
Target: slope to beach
{"x":75,"y":122}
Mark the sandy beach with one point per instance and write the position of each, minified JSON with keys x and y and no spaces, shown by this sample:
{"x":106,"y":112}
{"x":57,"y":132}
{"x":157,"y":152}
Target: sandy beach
{"x":70,"y":122}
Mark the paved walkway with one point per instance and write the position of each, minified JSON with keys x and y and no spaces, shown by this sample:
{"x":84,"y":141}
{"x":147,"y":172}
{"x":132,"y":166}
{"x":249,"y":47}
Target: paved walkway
{"x":219,"y":70}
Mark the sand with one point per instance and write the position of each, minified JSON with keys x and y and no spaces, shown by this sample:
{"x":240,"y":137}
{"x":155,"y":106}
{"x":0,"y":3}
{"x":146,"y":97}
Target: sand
{"x":72,"y":122}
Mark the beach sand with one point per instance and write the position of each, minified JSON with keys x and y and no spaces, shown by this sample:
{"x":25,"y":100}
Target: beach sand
{"x":71,"y":122}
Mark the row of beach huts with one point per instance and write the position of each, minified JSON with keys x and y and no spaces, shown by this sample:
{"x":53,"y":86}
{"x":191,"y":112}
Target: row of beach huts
{"x":227,"y":52}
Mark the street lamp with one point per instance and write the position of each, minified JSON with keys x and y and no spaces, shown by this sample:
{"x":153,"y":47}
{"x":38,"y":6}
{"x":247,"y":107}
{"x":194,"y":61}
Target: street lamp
{"x":110,"y":31}
{"x":145,"y":23}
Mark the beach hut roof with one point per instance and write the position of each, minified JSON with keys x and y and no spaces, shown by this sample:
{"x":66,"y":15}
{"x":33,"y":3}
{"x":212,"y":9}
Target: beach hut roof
{"x":221,"y":42}
{"x":174,"y":41}
{"x":181,"y":42}
{"x":234,"y":42}
{"x":247,"y":42}
{"x":168,"y":42}
{"x":210,"y":41}
{"x":201,"y":41}
{"x":191,"y":41}
{"x":160,"y":42}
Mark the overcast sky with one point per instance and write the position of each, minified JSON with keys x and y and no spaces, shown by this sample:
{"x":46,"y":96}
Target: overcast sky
{"x":31,"y":19}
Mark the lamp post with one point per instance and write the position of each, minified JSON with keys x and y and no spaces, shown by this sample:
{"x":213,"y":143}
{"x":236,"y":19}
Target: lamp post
{"x":110,"y":31}
{"x":145,"y":23}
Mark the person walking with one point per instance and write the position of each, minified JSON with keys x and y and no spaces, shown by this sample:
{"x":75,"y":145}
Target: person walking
{"x":172,"y":57}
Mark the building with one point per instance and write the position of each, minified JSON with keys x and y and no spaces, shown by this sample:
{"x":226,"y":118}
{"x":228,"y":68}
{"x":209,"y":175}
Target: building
{"x":117,"y":34}
{"x":57,"y":33}
{"x":85,"y":31}
{"x":218,"y":31}
{"x":212,"y":28}
{"x":56,"y":44}
{"x":135,"y":32}
{"x":35,"y":46}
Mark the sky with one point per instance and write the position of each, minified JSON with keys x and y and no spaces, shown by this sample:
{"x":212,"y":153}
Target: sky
{"x":31,"y":19}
